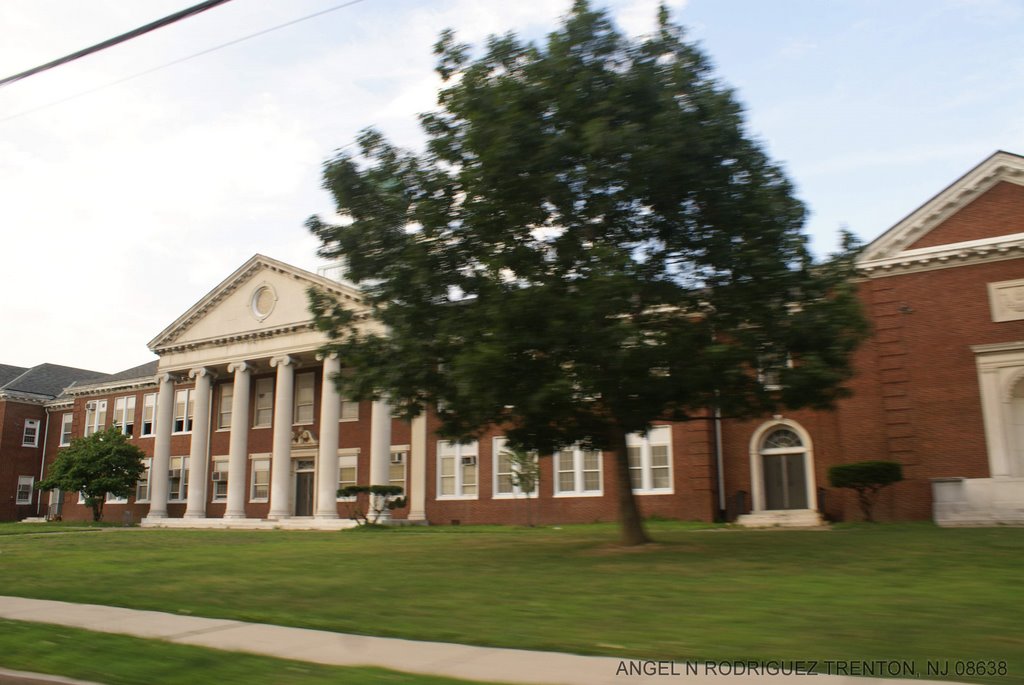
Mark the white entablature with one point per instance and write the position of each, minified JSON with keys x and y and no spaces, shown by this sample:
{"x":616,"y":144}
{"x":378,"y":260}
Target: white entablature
{"x":259,"y":311}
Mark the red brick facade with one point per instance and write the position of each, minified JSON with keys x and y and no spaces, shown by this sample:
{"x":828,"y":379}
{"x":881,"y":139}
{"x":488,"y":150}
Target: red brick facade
{"x":916,"y":397}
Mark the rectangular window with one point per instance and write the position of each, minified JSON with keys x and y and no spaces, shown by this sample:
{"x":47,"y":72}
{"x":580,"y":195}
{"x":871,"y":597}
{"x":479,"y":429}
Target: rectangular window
{"x":183,"y":411}
{"x":457,"y":470}
{"x":220,"y":479}
{"x":178,"y":476}
{"x":396,"y":469}
{"x":142,"y":485}
{"x":264,"y":413}
{"x":348,"y":472}
{"x":95,"y":416}
{"x":116,"y":500}
{"x":124,"y":414}
{"x":259,"y":490}
{"x":24,"y":494}
{"x":227,"y":394}
{"x":507,"y":482}
{"x":65,"y":429}
{"x":304,"y":384}
{"x":349,"y":410}
{"x":650,"y":460}
{"x":577,"y":472}
{"x":30,"y":436}
{"x":148,"y":414}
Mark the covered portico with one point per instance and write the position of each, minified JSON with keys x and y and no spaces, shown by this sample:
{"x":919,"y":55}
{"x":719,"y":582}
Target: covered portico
{"x":256,"y":323}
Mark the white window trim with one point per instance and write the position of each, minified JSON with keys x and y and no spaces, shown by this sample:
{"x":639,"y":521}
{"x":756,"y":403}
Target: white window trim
{"x":349,"y":453}
{"x":148,"y":473}
{"x":31,"y":488}
{"x":223,"y":459}
{"x":110,"y":499}
{"x":142,"y":417}
{"x":578,"y":480}
{"x":253,"y":458}
{"x":34,"y":423}
{"x":220,"y":407}
{"x":644,"y":443}
{"x":68,"y":420}
{"x":300,"y":378}
{"x":345,"y":419}
{"x":459,"y":485}
{"x":121,"y":414}
{"x":182,"y":491}
{"x":97,"y":423}
{"x":256,"y":403}
{"x":174,"y":415}
{"x":497,"y":446}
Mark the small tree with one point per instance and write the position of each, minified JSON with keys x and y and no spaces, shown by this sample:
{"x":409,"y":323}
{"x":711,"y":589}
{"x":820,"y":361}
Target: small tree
{"x":381,"y":497}
{"x":525,"y":474}
{"x":97,"y":465}
{"x":867,"y":478}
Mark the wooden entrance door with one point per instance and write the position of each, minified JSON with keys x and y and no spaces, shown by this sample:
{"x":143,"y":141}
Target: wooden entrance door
{"x":304,"y":493}
{"x":785,"y":481}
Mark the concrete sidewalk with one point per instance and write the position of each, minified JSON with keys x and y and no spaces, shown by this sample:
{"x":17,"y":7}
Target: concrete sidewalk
{"x":435,"y":658}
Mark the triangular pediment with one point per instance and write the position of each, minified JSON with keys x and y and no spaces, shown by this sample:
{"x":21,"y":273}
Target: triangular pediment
{"x":263,"y":297}
{"x":981,"y":212}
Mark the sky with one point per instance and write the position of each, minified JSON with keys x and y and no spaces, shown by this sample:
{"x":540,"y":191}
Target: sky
{"x":122,"y":205}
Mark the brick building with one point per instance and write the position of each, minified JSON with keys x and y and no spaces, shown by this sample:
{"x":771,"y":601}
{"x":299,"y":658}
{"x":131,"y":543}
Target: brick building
{"x":239,"y":426}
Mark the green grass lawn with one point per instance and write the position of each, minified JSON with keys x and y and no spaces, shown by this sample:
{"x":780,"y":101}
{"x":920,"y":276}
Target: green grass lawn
{"x":52,"y":527}
{"x":908,"y":592}
{"x":116,"y":659}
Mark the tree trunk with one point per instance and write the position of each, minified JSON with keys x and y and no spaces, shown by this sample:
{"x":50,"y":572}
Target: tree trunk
{"x":97,"y":511}
{"x":632,"y":525}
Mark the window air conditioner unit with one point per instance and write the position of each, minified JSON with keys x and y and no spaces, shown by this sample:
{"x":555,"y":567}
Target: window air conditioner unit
{"x":398,"y":458}
{"x":469,"y":461}
{"x":220,"y":476}
{"x":174,"y":473}
{"x":90,"y":406}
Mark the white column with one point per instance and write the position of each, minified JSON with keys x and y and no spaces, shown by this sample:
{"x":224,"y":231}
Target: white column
{"x":380,"y":446}
{"x":159,"y":483}
{"x":199,"y":448}
{"x":281,"y":463}
{"x":238,"y":452}
{"x":327,"y":459}
{"x":417,"y":494}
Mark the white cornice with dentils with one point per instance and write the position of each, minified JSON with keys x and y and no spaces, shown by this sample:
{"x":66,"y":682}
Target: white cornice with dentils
{"x":889,"y":253}
{"x":164,"y":342}
{"x":111,"y":386}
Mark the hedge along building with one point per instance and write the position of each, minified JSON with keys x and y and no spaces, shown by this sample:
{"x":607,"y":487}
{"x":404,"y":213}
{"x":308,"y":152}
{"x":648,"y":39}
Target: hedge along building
{"x":243,"y":428}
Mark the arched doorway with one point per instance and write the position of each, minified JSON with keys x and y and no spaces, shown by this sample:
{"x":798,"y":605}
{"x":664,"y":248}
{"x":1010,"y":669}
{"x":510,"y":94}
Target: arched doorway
{"x":782,"y":467}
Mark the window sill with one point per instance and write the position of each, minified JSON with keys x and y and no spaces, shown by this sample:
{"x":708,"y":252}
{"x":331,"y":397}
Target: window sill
{"x":449,"y":498}
{"x":579,"y":494}
{"x":520,"y":495}
{"x":259,"y":500}
{"x":663,"y":491}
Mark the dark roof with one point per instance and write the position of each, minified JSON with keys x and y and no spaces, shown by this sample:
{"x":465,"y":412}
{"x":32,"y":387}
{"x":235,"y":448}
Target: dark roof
{"x":48,"y":379}
{"x":147,"y":370}
{"x":9,"y":373}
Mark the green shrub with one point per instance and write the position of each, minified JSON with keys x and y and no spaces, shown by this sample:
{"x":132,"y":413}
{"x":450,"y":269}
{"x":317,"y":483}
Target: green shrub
{"x":867,"y":478}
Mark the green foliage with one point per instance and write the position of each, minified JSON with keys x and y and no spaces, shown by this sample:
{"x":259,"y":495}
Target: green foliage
{"x":95,"y":465}
{"x":591,"y":242}
{"x":866,"y":478}
{"x":381,"y":498}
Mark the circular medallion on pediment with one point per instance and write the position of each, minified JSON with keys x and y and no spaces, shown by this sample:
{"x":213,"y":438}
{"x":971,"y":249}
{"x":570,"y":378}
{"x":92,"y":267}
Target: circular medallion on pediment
{"x":263,"y":300}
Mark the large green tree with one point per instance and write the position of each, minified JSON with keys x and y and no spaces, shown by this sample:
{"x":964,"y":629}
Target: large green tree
{"x":103,"y":463}
{"x":590,"y":242}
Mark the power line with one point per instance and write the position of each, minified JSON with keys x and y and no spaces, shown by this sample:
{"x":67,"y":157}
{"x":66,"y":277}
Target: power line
{"x":110,"y":42}
{"x":182,"y":59}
